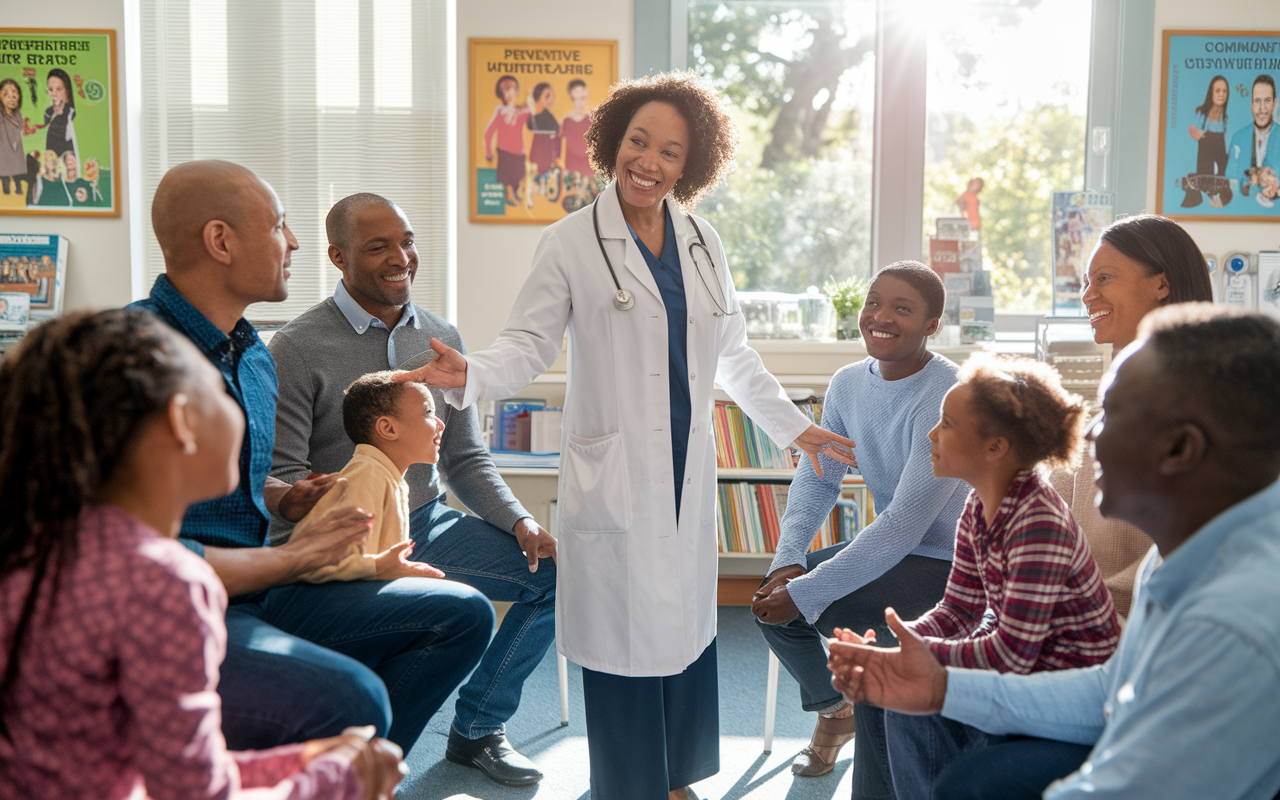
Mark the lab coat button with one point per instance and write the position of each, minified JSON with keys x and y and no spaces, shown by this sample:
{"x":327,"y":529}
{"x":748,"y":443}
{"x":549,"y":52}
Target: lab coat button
{"x":690,"y":320}
{"x":693,"y":376}
{"x":688,"y":481}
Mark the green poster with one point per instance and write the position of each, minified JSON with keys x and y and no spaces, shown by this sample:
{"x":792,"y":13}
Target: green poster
{"x":59,"y":146}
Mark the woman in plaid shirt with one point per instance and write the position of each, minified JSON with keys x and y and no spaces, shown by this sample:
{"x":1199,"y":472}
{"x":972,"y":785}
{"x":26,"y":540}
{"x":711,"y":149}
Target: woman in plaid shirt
{"x":1024,"y":594}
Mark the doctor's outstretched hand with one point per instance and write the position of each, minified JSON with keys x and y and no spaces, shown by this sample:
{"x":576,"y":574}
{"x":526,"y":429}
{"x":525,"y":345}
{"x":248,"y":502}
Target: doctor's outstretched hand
{"x":815,"y":441}
{"x":448,"y":370}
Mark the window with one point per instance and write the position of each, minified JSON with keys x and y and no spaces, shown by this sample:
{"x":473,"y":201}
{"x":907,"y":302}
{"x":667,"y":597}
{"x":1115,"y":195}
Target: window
{"x":801,"y":79}
{"x":1001,"y":109}
{"x":801,"y":82}
{"x":323,"y":98}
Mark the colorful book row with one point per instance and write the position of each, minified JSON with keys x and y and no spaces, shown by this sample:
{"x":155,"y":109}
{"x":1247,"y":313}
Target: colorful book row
{"x":751,"y":518}
{"x":741,"y":444}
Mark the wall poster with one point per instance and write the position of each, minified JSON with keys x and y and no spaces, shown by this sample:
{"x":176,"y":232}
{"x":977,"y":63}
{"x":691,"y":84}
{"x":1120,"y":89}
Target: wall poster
{"x":59,"y":141}
{"x":1218,"y":158}
{"x":530,"y":106}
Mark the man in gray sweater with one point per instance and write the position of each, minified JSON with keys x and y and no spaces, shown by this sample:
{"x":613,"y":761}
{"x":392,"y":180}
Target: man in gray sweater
{"x":371,"y":324}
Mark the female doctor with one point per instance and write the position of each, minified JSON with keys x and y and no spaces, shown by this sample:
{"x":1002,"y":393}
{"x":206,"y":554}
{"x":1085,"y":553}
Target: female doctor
{"x":653,"y":324}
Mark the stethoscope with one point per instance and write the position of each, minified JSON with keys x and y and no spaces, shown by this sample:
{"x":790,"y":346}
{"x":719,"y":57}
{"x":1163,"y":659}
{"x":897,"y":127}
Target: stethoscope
{"x":624,"y":300}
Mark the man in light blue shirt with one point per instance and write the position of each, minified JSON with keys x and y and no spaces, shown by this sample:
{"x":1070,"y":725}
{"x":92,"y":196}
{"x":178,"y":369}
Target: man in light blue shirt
{"x":1187,"y":707}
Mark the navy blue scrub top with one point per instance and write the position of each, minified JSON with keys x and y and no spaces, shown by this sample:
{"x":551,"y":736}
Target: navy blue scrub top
{"x":670,"y":280}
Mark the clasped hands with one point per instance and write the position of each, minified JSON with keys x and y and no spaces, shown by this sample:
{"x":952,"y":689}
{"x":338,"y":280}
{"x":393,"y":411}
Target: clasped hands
{"x":907,"y":678}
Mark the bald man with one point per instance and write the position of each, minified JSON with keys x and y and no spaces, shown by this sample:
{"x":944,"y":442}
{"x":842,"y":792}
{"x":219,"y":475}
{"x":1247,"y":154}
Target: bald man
{"x":370,"y":323}
{"x":303,"y":661}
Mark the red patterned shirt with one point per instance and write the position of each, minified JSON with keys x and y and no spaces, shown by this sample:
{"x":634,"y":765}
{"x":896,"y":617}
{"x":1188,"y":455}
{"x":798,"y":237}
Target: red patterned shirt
{"x":116,"y":695}
{"x":1024,"y":594}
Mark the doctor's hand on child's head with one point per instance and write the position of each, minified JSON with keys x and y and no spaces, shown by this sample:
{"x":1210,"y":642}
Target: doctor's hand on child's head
{"x":448,"y":370}
{"x":394,"y":563}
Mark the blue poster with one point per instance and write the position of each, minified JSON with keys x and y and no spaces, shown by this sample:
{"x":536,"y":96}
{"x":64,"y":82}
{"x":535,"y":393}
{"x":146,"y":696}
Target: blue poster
{"x":1218,"y":157}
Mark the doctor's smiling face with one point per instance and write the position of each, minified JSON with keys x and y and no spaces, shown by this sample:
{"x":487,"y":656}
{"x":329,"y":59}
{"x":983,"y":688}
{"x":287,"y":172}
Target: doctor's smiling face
{"x":652,"y":155}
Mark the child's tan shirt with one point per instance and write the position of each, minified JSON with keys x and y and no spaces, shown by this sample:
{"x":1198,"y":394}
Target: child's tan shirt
{"x":374,"y":484}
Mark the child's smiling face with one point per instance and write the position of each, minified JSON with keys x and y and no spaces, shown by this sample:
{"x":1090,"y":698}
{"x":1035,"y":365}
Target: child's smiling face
{"x":420,"y":429}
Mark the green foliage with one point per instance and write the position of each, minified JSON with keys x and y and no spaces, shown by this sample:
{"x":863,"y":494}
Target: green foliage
{"x":846,"y":296}
{"x":787,"y":229}
{"x":1023,"y":158}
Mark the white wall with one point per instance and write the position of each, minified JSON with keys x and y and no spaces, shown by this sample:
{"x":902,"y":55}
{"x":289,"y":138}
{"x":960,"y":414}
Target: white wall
{"x":98,"y":262}
{"x":1217,"y":238}
{"x":493,"y":259}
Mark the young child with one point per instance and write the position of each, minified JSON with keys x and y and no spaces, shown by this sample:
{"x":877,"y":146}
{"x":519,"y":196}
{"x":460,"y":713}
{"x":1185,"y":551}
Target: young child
{"x":1024,"y":594}
{"x":111,"y":633}
{"x":394,"y":425}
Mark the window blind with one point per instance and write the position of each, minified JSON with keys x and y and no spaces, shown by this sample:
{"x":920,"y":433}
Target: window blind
{"x":322,"y":98}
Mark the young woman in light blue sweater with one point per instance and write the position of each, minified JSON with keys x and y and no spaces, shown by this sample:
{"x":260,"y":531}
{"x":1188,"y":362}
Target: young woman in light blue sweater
{"x":887,"y":404}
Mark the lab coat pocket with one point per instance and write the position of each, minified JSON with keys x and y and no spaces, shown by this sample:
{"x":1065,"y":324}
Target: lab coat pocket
{"x":595,"y":493}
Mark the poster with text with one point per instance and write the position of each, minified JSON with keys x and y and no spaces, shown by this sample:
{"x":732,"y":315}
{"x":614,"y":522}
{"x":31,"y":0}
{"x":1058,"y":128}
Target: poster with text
{"x":1218,"y":158}
{"x":59,"y":145}
{"x":530,"y":108}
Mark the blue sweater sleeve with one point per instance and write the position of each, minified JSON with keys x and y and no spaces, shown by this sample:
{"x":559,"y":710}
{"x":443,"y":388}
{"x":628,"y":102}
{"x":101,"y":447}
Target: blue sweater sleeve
{"x":811,"y":498}
{"x":897,"y":530}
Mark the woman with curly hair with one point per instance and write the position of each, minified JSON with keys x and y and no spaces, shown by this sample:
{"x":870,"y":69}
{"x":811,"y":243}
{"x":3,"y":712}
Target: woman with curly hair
{"x":653,"y":324}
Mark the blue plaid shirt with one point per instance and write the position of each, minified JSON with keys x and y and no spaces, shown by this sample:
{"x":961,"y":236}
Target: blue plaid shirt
{"x":249,"y":372}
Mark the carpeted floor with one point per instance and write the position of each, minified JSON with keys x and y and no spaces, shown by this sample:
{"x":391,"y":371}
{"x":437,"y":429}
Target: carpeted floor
{"x":561,"y":753}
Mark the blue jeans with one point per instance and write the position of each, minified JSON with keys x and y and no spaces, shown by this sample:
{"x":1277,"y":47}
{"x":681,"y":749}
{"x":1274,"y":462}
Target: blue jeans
{"x":921,"y":747}
{"x":305,"y":661}
{"x":935,"y":758}
{"x":474,"y":552}
{"x":913,"y":586}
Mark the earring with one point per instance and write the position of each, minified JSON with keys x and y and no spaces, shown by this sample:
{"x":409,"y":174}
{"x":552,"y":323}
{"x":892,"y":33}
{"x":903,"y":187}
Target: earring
{"x":189,"y":447}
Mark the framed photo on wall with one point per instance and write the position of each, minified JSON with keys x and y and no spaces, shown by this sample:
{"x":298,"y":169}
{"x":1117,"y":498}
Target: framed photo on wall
{"x":59,"y":136}
{"x":530,"y":107}
{"x":1218,"y":158}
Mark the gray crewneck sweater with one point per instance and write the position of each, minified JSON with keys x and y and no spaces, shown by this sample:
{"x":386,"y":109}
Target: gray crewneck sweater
{"x":317,"y":356}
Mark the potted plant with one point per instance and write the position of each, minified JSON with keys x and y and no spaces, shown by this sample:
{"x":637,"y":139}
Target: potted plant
{"x":847,"y":297}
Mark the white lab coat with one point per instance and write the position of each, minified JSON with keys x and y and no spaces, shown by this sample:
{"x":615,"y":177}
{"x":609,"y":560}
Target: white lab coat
{"x":636,"y":592}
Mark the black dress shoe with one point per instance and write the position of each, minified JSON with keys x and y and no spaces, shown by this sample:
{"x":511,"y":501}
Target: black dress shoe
{"x":494,"y":756}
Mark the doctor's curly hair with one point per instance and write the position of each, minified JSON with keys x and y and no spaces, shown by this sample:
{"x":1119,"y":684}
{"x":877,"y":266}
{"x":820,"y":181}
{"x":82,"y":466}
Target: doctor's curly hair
{"x":713,"y":139}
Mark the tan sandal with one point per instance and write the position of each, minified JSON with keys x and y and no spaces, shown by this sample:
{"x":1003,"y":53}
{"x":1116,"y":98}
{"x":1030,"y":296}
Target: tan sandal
{"x":820,"y":756}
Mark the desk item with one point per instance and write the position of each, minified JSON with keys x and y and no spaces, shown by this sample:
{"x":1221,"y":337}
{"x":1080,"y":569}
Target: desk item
{"x":1239,"y":284}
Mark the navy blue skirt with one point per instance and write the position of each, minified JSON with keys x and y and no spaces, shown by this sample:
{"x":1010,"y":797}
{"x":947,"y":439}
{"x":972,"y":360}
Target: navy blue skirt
{"x":648,"y":736}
